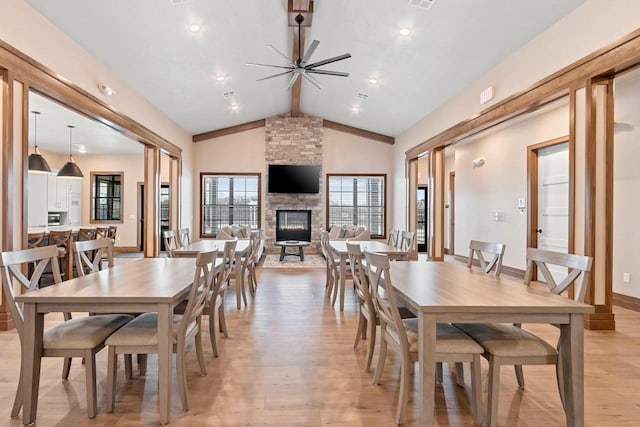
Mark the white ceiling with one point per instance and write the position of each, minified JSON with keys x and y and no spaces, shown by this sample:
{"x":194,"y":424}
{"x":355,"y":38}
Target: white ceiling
{"x":147,"y":44}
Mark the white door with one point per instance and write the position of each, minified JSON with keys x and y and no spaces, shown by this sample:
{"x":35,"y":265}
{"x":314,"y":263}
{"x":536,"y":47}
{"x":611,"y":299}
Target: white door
{"x":553,"y":202}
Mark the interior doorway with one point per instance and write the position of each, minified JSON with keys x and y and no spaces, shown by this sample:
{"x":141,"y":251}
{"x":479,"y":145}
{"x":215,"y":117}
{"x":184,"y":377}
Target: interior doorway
{"x":165,"y":200}
{"x":422,"y":200}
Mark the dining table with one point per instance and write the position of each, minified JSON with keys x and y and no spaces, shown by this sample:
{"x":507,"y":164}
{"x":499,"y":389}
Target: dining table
{"x":339,"y":247}
{"x":145,"y":285}
{"x":444,"y":292}
{"x":242,"y":250}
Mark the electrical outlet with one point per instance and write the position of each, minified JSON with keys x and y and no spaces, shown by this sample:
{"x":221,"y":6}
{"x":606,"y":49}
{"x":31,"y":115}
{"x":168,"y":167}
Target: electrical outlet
{"x":626,"y":277}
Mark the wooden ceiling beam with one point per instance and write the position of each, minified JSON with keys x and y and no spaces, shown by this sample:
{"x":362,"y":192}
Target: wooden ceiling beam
{"x":228,"y":131}
{"x":359,"y":132}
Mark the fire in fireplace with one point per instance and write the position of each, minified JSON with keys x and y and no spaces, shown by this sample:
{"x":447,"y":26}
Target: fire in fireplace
{"x":293,"y":225}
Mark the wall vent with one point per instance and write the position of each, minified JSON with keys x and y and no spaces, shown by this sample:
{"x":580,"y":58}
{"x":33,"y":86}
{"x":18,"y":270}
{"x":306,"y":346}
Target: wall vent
{"x":362,"y":95}
{"x":425,"y":4}
{"x":229,"y":94}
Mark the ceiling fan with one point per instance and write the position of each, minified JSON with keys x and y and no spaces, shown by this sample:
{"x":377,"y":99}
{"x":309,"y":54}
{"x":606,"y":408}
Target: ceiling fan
{"x":301,"y":67}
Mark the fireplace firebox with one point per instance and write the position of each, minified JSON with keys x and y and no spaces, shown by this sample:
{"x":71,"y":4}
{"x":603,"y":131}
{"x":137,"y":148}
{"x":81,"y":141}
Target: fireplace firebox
{"x":293,"y":225}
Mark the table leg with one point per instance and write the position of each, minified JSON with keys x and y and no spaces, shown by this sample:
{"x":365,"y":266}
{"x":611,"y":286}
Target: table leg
{"x":165,"y":352}
{"x":282,"y":253}
{"x":239,"y":279}
{"x":30,"y":359}
{"x":571,"y":348}
{"x":343,"y":273}
{"x":427,"y":367}
{"x":301,"y":253}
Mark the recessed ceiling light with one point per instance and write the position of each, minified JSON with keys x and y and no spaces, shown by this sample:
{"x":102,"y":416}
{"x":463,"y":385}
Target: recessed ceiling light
{"x":235,"y":107}
{"x":220,"y":78}
{"x":194,"y":28}
{"x":404,"y":32}
{"x":355,"y":109}
{"x":373,"y":80}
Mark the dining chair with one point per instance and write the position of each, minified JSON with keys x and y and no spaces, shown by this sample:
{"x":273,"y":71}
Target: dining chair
{"x":184,"y":237}
{"x":90,"y":253}
{"x":35,"y":240}
{"x":86,"y":234}
{"x":510,"y":344}
{"x":256,"y":241}
{"x":407,"y":240}
{"x":79,"y":337}
{"x":477,"y":249}
{"x":141,"y":334}
{"x":171,"y":242}
{"x":62,"y":239}
{"x":331,"y":273}
{"x":102,"y":232}
{"x":220,"y":286}
{"x":451,"y":344}
{"x":392,"y":240}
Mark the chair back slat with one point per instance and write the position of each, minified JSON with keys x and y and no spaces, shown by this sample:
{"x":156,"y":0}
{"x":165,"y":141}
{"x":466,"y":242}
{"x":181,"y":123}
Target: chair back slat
{"x":384,"y":298}
{"x":12,"y":272}
{"x":357,"y":272}
{"x":393,"y":238}
{"x":407,"y":240}
{"x":102,"y":232}
{"x":256,"y":240}
{"x":86,"y":234}
{"x":185,"y":239}
{"x":35,"y":240}
{"x":200,"y":288}
{"x":579,"y":267}
{"x":90,"y":253}
{"x":171,"y":242}
{"x":329,"y":255}
{"x":478,"y":249}
{"x":228,"y":256}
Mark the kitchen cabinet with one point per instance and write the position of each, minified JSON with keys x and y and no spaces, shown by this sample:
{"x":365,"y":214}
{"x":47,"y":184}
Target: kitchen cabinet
{"x":37,"y":199}
{"x":57,"y":194}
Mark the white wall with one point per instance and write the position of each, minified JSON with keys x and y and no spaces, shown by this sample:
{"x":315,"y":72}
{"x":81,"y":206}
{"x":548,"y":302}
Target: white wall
{"x":244,"y":152}
{"x":626,"y":184}
{"x":588,"y":28}
{"x":498,"y":184}
{"x":49,"y":46}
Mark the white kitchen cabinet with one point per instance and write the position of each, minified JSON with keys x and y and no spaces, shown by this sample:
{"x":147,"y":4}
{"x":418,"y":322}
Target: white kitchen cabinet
{"x":57,"y":194}
{"x":37,"y":199}
{"x":75,"y":211}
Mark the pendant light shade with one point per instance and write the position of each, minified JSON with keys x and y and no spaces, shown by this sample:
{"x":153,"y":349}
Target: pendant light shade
{"x":70,"y":169}
{"x":37,"y":163}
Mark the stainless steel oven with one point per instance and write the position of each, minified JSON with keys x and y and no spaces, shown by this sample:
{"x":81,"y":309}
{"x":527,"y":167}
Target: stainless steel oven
{"x":54,"y":219}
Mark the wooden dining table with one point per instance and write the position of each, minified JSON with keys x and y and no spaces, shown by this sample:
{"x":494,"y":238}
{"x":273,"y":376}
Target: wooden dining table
{"x":145,"y":285}
{"x":339,"y":247}
{"x":443,"y":292}
{"x":242,"y":249}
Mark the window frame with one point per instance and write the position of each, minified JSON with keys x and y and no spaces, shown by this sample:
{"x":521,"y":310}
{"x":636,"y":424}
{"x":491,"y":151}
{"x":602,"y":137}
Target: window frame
{"x":230,"y":174}
{"x":92,"y":197}
{"x":359,"y":175}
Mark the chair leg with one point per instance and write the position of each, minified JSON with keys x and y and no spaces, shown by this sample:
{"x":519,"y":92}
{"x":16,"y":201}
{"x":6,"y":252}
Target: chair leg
{"x":180,"y":371}
{"x":142,"y":364}
{"x":112,"y":368}
{"x":222,"y":320}
{"x":199,"y":352}
{"x":128,"y":370}
{"x":372,"y":344}
{"x":460,"y":374}
{"x":17,"y":401}
{"x":404,"y":388}
{"x":476,"y":390}
{"x":336,"y":285}
{"x":438,"y":372}
{"x":519,"y":375}
{"x":254,"y":279}
{"x":381,"y":358}
{"x":90,"y":369}
{"x":212,"y":327}
{"x":242,"y":287}
{"x":493,"y":392}
{"x":66,"y":368}
{"x":359,"y":329}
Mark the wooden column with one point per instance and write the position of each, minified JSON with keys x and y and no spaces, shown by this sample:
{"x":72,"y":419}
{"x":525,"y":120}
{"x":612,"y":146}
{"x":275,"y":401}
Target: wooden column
{"x":411,"y":167}
{"x":175,"y":181}
{"x":436,"y":205}
{"x":598,"y":184}
{"x":151,"y":201}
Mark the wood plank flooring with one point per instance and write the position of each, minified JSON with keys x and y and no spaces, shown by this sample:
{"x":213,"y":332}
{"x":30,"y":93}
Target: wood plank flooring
{"x":289,"y":362}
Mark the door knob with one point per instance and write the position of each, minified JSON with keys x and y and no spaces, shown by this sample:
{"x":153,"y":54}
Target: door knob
{"x":539,"y":230}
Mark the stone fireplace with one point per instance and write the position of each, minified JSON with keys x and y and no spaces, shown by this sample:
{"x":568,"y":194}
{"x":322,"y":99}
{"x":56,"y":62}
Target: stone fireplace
{"x":293,"y":225}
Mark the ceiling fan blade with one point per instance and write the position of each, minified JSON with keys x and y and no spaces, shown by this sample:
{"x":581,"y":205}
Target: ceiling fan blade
{"x":312,"y":80}
{"x":329,"y":73}
{"x":293,"y":80}
{"x":275,"y":75}
{"x":328,"y":61}
{"x":308,"y":53}
{"x":254,"y":64}
{"x":285,"y":57}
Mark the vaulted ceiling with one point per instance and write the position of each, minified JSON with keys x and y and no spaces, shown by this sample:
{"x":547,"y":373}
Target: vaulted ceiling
{"x":149,"y":45}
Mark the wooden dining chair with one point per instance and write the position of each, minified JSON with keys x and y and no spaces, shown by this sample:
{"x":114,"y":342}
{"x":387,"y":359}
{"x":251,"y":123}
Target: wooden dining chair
{"x":90,"y":253}
{"x":80,"y":337}
{"x":141,"y":334}
{"x":331,"y":273}
{"x":62,"y":239}
{"x":451,"y":344}
{"x":102,"y":232}
{"x":171,"y":242}
{"x":220,"y":286}
{"x":256,"y":241}
{"x":478,"y":249}
{"x":184,"y":237}
{"x":35,"y":240}
{"x":407,"y":241}
{"x":510,"y":344}
{"x":392,"y":240}
{"x":86,"y":234}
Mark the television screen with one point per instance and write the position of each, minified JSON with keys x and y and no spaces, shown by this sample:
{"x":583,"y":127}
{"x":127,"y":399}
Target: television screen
{"x":294,"y":179}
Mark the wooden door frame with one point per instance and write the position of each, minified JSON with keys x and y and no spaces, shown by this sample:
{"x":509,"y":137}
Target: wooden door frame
{"x":452,"y":211}
{"x":532,"y":189}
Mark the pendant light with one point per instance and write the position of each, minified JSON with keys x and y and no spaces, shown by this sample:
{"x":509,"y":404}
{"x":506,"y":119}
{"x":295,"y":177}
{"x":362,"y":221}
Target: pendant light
{"x":70,"y":169}
{"x":37,"y":163}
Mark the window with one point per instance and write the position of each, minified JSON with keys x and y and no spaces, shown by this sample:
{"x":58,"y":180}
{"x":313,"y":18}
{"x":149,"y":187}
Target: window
{"x":106,"y":196}
{"x":229,"y":199}
{"x":357,"y":200}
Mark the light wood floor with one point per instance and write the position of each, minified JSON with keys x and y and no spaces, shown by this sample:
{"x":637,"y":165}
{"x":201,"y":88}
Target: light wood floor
{"x":289,"y":362}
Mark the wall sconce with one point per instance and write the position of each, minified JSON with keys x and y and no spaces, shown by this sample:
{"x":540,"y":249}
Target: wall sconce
{"x":478,"y":162}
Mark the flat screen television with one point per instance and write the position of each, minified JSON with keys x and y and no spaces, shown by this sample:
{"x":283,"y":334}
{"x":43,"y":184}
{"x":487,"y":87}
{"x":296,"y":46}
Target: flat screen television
{"x":294,"y":179}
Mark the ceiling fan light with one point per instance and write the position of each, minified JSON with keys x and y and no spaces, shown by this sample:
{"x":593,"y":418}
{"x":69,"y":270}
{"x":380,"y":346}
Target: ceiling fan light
{"x":70,"y":170}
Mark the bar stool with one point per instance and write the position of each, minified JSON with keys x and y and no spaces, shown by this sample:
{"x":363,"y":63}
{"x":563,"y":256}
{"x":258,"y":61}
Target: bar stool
{"x":62,"y":239}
